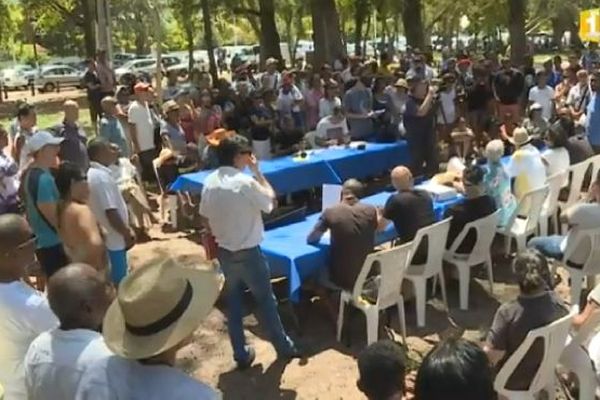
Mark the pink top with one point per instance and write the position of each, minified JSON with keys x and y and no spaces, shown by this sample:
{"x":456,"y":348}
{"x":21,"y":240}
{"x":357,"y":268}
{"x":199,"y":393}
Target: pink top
{"x":312,"y":98}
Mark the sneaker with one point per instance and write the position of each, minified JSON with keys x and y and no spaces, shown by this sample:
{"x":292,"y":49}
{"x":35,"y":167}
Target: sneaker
{"x":247,"y":363}
{"x":291,"y":354}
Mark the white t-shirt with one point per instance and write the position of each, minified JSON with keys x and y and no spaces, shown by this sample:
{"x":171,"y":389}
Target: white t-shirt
{"x":57,"y":359}
{"x":24,"y":314}
{"x":270,"y":81}
{"x":326,"y":106}
{"x":528,"y":169}
{"x":139,"y":115}
{"x":105,"y":195}
{"x":558,"y":161}
{"x":233,"y":201}
{"x":327,"y":129}
{"x":447,"y":103}
{"x":545,"y":98}
{"x":119,"y":378}
{"x":286,"y":102}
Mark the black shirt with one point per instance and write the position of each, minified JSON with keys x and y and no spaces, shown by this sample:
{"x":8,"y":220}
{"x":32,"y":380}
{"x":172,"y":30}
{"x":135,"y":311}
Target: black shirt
{"x":509,"y":86}
{"x":468,"y":211}
{"x":415,"y":124}
{"x":91,"y":78}
{"x":478,"y":97}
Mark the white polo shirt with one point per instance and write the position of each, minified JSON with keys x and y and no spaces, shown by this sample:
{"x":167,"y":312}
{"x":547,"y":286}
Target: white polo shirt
{"x":24,"y":314}
{"x":327,"y":129}
{"x":119,"y":378}
{"x":57,"y":359}
{"x":232,"y":202}
{"x":139,"y":115}
{"x":105,"y":195}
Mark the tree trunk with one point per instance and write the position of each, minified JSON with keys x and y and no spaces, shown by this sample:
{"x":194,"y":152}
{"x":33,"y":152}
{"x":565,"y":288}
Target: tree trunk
{"x":269,"y":36}
{"x":361,"y":12}
{"x":189,"y":38}
{"x":89,"y":27}
{"x":516,"y":29}
{"x":412,"y":18}
{"x":575,"y":39}
{"x":208,"y":41}
{"x":327,"y":33}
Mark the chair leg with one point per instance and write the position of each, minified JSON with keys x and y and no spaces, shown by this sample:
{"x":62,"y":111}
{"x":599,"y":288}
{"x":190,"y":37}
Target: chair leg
{"x":521,"y":243}
{"x":507,"y":243}
{"x":172,"y":212}
{"x":543,"y":225}
{"x":420,"y":286}
{"x":464,"y":280}
{"x":372,"y":314}
{"x":443,"y":286}
{"x":551,"y":390}
{"x":340,"y":321}
{"x":490,"y":271}
{"x":402,"y":319}
{"x":576,"y":285}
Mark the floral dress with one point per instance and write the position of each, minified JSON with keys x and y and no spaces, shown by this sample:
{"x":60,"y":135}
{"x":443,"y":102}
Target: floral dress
{"x":497,"y":185}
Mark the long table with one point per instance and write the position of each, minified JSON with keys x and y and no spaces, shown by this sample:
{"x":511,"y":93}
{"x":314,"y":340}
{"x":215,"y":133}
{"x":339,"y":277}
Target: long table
{"x":291,"y":174}
{"x":289,"y":255}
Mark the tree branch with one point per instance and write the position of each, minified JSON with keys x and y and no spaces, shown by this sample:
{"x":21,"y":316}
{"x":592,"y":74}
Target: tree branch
{"x":439,"y":16}
{"x":247,"y":11}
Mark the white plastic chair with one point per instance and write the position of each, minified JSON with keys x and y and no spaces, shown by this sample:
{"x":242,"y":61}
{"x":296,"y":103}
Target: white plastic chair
{"x":485,"y":229}
{"x":595,"y":166}
{"x":577,"y":174}
{"x":392,"y":263}
{"x":419,"y":274}
{"x":554,"y":336}
{"x":168,"y":202}
{"x":521,"y":228}
{"x":550,"y":208}
{"x":591,"y":266}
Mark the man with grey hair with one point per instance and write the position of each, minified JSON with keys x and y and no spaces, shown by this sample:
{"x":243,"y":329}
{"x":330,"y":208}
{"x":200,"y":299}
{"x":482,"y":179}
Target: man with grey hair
{"x":79,"y":296}
{"x":353,"y":225}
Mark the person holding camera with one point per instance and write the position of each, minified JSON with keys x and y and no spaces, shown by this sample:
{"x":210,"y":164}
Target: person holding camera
{"x":419,"y":122}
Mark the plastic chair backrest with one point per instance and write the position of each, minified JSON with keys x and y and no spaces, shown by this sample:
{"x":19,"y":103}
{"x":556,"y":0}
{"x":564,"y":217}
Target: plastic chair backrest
{"x":554,"y":336}
{"x":577,"y":172}
{"x":530,"y":205}
{"x":392,"y":263}
{"x":554,"y":183}
{"x":485,"y":229}
{"x":591,"y":266}
{"x":437,"y":235}
{"x":595,"y":161}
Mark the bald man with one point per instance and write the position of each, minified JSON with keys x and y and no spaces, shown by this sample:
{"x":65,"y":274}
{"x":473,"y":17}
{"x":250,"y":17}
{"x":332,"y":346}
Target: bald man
{"x":24,"y":312}
{"x":73,"y":148}
{"x":352,"y":225}
{"x":409,"y":209}
{"x":79,"y":296}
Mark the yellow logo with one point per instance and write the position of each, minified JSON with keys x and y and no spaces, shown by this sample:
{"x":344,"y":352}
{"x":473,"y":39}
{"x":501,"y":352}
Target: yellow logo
{"x":589,"y":25}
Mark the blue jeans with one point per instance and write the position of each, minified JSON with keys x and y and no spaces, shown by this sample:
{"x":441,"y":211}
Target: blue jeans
{"x":248,"y":269}
{"x":118,"y":265}
{"x":548,"y":245}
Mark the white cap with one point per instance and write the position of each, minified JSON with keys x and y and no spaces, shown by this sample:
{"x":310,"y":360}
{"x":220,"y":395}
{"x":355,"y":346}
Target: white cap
{"x":41,"y":139}
{"x":535,"y":106}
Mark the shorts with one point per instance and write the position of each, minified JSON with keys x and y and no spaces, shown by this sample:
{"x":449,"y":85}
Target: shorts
{"x":51,"y":259}
{"x":118,"y":265}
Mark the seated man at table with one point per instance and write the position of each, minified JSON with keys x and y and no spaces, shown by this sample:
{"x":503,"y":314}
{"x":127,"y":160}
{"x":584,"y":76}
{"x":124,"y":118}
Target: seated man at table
{"x":409,"y":209}
{"x":333,"y":129}
{"x":353,"y":225}
{"x":477,"y":205}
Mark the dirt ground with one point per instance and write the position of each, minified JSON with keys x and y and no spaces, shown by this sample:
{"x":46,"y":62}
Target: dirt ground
{"x":329,"y":370}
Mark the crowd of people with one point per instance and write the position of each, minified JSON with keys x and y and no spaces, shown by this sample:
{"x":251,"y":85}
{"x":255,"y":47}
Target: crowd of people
{"x":74,"y":204}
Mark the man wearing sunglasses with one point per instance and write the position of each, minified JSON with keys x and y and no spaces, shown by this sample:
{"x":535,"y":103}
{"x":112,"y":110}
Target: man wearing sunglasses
{"x":24,"y":312}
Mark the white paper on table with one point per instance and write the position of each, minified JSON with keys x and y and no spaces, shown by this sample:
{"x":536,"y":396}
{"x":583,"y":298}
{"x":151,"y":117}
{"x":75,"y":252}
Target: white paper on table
{"x":332,"y":195}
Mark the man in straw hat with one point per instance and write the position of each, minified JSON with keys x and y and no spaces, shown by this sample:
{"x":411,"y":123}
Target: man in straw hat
{"x":271,"y":78}
{"x":157,"y":310}
{"x":79,"y":296}
{"x":526,"y":164}
{"x":232,"y":203}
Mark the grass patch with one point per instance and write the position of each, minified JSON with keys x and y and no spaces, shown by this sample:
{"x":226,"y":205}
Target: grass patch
{"x":49,"y":120}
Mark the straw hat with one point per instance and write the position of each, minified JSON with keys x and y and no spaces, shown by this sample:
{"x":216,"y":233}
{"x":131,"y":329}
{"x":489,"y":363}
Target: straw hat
{"x":170,"y":105}
{"x":402,"y":83}
{"x":158,"y":306}
{"x":218,"y":135}
{"x":520,"y":137}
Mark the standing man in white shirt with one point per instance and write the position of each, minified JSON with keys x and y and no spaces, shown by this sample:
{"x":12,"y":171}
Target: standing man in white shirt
{"x":141,"y":129}
{"x":232,"y":203}
{"x":24,"y":312}
{"x":543,"y":95}
{"x":109,"y":207}
{"x":56,"y":360}
{"x":271,"y":78}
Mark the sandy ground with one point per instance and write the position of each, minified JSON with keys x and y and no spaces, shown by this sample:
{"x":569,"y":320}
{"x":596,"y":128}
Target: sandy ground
{"x":329,"y":370}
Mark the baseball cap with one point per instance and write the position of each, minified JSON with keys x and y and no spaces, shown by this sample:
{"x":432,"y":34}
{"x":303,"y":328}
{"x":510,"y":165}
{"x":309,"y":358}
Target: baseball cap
{"x":41,"y":139}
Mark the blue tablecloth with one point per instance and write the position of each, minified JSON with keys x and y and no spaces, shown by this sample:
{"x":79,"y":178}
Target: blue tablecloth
{"x":288,"y":175}
{"x":289,"y":254}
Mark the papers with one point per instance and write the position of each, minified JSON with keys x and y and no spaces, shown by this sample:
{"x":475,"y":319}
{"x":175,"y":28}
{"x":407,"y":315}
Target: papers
{"x":439,"y":192}
{"x":332,"y":195}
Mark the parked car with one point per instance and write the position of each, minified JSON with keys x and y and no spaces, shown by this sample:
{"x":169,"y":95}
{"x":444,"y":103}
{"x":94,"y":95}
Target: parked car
{"x":121,"y":58}
{"x":136,"y":67}
{"x":51,"y":77}
{"x":17,"y":77}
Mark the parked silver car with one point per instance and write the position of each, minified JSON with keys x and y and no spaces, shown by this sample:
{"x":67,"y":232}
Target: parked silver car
{"x":51,"y":77}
